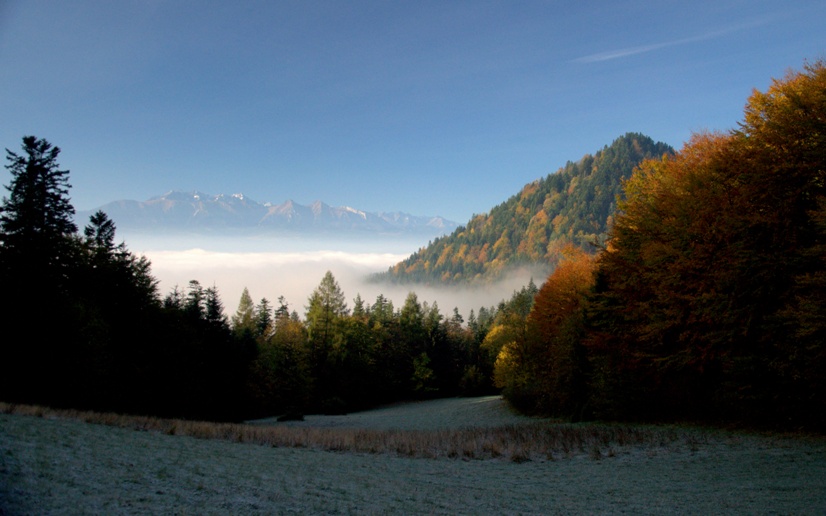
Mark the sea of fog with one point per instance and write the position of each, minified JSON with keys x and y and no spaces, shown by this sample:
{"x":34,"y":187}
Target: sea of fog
{"x":293,"y":266}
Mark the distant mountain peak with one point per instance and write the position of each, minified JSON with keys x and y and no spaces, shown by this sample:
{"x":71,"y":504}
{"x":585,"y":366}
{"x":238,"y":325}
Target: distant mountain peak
{"x":199,"y":211}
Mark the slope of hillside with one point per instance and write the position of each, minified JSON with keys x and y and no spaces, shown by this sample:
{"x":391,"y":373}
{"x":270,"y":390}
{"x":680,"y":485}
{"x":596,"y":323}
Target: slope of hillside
{"x":573,"y":205}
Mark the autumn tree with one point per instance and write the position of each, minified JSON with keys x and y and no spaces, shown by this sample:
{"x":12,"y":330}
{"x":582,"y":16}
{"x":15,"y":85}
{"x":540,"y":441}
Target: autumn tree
{"x":783,"y":140}
{"x":556,"y":330}
{"x":543,"y":369}
{"x":700,"y":281}
{"x":575,"y":205}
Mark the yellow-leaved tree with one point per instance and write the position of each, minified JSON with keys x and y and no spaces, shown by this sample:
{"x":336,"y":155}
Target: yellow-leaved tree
{"x":707,"y":287}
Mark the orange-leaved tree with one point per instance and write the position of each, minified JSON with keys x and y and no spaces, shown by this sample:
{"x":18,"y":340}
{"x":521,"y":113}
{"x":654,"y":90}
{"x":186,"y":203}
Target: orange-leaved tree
{"x":713,"y":262}
{"x":545,"y":371}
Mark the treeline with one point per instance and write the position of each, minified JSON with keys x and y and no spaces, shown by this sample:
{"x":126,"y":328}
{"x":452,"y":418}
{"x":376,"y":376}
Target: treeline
{"x":84,"y":324}
{"x":574,"y":205}
{"x":709,"y":300}
{"x":86,"y":328}
{"x":338,"y":359}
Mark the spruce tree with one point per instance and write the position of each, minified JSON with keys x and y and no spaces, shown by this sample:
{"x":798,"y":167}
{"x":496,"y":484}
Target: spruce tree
{"x":100,"y":232}
{"x":36,"y":249}
{"x":263,"y":318}
{"x":37,"y":217}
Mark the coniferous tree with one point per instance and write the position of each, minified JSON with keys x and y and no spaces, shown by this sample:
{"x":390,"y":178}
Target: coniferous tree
{"x":36,"y":218}
{"x":214,"y":308}
{"x":263,"y":319}
{"x":244,"y":318}
{"x":37,"y":249}
{"x":174,"y":300}
{"x":326,"y":304}
{"x":282,"y":312}
{"x":325,"y":312}
{"x":194,"y":302}
{"x":100,"y":233}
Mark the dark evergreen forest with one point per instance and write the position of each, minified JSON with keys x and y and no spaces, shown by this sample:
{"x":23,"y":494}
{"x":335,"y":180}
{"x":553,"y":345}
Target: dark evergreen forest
{"x":95,"y":333}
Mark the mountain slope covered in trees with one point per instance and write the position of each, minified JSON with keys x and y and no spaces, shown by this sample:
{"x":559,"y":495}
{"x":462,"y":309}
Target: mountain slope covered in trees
{"x":575,"y":205}
{"x":707,"y":302}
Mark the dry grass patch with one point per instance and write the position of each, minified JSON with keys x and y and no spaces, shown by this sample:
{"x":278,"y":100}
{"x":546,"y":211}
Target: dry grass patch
{"x":533,"y":440}
{"x":54,"y":460}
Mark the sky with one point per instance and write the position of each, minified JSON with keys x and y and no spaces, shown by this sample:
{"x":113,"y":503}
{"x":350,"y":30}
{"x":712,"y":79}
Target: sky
{"x":428,"y":107}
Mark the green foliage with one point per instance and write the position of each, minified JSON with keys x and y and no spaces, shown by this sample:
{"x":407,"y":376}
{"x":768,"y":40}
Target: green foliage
{"x":326,"y":307}
{"x":244,"y":318}
{"x":423,"y":377}
{"x":280,"y":380}
{"x":574,"y":205}
{"x":263,"y":318}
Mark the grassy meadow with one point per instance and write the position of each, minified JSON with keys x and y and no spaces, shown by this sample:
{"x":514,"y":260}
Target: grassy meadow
{"x":453,"y":456}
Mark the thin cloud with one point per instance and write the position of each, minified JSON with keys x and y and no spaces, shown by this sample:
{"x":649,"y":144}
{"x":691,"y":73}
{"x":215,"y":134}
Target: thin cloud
{"x":630,"y":51}
{"x":616,"y":54}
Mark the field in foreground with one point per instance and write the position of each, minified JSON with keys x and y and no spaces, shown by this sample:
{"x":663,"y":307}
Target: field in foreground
{"x":53,"y":465}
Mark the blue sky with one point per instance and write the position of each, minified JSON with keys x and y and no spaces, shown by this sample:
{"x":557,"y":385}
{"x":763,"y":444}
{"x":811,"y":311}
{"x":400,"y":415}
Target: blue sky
{"x":429,"y":107}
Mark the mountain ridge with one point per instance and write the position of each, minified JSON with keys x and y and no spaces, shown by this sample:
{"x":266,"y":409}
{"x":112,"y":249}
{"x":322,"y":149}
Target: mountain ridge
{"x":574,"y":205}
{"x":199,"y":211}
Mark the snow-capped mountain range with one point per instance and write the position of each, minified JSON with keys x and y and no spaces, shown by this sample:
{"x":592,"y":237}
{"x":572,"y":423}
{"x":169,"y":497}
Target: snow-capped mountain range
{"x":197,"y":211}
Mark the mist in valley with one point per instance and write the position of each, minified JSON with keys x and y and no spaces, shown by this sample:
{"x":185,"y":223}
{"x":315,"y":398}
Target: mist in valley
{"x":292,"y":266}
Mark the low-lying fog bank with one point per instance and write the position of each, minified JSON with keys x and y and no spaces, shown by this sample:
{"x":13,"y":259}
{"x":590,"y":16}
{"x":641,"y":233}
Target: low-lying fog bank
{"x":282,"y":265}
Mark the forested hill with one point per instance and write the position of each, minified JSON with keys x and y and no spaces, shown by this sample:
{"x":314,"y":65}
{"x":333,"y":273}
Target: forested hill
{"x":573,"y":205}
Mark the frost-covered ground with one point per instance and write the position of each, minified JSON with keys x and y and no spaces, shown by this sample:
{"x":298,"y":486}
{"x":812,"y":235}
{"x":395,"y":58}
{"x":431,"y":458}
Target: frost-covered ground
{"x":56,"y":466}
{"x":486,"y":411}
